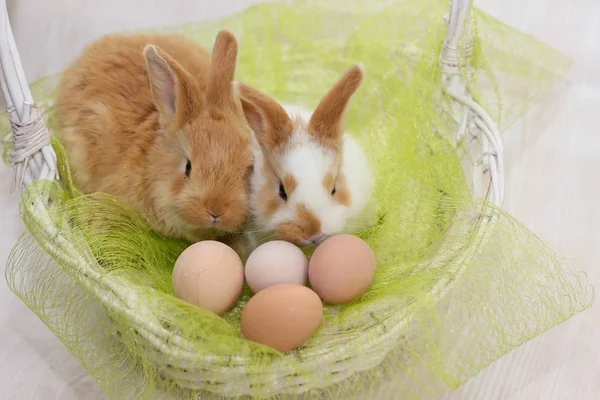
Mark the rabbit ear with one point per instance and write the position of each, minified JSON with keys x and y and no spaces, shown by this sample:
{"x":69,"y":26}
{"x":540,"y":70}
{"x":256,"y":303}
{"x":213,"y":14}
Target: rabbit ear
{"x":173,"y":88}
{"x":254,"y":116}
{"x":326,"y":121}
{"x":269,"y":121}
{"x":222,"y":69}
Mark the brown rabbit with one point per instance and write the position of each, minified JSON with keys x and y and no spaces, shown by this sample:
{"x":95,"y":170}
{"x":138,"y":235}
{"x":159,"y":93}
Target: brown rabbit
{"x":155,"y":121}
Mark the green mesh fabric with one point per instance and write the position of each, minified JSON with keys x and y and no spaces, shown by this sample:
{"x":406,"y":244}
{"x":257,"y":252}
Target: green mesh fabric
{"x":459,"y":282}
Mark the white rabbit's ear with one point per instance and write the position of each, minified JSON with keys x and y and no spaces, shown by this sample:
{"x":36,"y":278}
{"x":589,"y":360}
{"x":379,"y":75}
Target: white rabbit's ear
{"x":254,"y":116}
{"x":326,"y":123}
{"x":269,"y":121}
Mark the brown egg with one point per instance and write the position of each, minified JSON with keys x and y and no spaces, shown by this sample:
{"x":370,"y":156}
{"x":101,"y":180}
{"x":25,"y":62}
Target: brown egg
{"x":209,"y":274}
{"x":282,"y":316}
{"x":342,"y":269}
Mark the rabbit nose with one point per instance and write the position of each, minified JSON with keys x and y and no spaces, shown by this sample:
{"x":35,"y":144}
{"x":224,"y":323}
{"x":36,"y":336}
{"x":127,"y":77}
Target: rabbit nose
{"x":317,"y":239}
{"x":215,"y":217}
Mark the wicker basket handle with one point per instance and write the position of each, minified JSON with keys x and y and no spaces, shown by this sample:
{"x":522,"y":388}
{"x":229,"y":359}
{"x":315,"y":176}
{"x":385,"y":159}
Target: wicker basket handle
{"x":475,"y":122}
{"x":33,"y":157}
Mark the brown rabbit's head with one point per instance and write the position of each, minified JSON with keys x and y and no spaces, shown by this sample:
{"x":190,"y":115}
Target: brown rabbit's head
{"x":204,"y":159}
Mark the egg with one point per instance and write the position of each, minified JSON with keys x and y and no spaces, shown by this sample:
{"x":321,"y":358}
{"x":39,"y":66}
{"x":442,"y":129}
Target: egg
{"x":209,"y":274}
{"x":342,"y":269}
{"x":282,"y":316}
{"x":275,"y":263}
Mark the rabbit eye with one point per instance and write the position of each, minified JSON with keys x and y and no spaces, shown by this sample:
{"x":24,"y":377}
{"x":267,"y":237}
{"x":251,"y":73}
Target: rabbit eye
{"x":333,"y":191}
{"x":188,"y":168}
{"x":282,"y":192}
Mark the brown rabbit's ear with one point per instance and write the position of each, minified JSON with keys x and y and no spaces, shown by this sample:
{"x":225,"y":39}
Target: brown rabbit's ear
{"x":222,"y":69}
{"x":269,"y":121}
{"x":326,"y":122}
{"x":173,"y":89}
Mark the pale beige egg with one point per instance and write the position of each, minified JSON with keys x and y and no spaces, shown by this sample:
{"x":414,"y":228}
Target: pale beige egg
{"x":275,"y":263}
{"x":209,"y":274}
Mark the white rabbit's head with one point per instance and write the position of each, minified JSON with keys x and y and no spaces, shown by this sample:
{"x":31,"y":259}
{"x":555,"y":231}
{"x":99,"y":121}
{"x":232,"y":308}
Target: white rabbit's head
{"x":309,"y":177}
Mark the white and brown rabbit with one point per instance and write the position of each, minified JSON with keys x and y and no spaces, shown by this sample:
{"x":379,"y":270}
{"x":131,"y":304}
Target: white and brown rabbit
{"x":311,"y":179}
{"x":156,"y":121}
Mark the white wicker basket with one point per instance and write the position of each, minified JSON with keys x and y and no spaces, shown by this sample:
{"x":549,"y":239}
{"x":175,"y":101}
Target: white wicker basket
{"x":477,"y":140}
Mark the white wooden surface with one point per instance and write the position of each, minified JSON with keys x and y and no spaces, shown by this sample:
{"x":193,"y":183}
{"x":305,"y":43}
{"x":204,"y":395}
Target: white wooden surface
{"x":552,"y":187}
